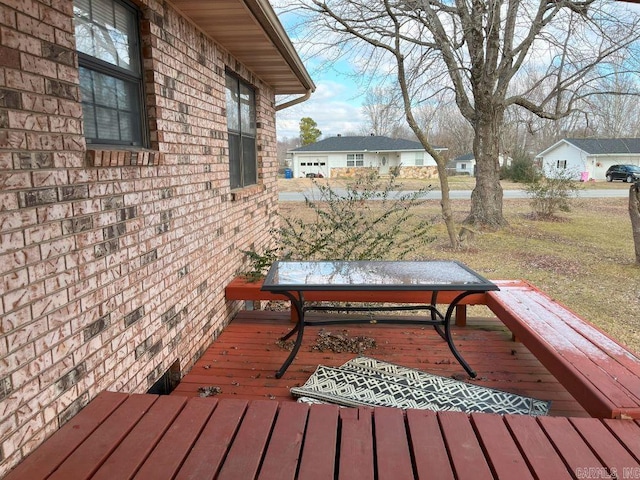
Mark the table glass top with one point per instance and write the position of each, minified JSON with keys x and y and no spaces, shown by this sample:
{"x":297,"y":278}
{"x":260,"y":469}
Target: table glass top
{"x":374,"y":275}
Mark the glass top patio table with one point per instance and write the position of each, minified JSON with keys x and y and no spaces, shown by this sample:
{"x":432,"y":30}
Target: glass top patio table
{"x":430,"y":275}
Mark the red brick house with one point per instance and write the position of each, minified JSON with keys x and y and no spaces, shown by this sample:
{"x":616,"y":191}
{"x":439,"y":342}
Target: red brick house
{"x":137,"y":160}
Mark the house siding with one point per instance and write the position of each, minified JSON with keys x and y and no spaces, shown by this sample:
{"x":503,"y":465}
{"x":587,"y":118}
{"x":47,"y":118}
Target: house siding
{"x":336,"y":164}
{"x":594,"y":166}
{"x":576,"y":161}
{"x":114,"y":262}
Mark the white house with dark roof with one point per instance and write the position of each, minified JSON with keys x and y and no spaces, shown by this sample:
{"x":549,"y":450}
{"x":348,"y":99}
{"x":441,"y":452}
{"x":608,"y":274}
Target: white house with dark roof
{"x":589,"y":158}
{"x":466,"y":164}
{"x":343,"y":156}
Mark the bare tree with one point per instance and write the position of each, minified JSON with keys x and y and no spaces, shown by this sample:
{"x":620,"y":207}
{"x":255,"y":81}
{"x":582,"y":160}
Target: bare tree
{"x":381,"y":110}
{"x":617,"y":116}
{"x":476,"y":49}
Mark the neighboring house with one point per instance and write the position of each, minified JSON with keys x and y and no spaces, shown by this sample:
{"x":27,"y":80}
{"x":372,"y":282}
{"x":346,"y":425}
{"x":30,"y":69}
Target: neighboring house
{"x":137,"y":162}
{"x":466,"y":164}
{"x":343,"y":156}
{"x":588,"y":158}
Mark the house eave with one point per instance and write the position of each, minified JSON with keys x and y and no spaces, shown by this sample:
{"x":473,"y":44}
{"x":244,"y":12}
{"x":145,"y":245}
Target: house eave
{"x":251,"y":32}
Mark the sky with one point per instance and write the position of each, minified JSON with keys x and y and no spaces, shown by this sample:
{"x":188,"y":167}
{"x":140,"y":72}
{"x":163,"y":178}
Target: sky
{"x":336,"y":105}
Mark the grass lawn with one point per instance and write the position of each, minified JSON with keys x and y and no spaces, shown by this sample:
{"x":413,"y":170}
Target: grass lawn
{"x":584,"y":259}
{"x":457,"y":182}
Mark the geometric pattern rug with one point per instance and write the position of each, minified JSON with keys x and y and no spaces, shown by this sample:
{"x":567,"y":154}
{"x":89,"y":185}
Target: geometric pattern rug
{"x":365,"y":381}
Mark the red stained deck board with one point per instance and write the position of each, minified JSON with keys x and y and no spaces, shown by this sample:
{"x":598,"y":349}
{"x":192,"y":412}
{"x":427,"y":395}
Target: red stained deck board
{"x":166,"y":458}
{"x":245,"y":455}
{"x":285,"y":444}
{"x":393,"y":457}
{"x":356,"y":445}
{"x":428,"y":446}
{"x":541,"y":456}
{"x":98,"y":446}
{"x":236,"y":439}
{"x":320,"y":444}
{"x":463,"y":446}
{"x":131,"y":453}
{"x":568,"y":348}
{"x":628,"y":432}
{"x":500,"y":447}
{"x":45,"y":459}
{"x":205,"y":459}
{"x":244,"y":366}
{"x":614,"y":456}
{"x":568,"y":442}
{"x":619,"y":363}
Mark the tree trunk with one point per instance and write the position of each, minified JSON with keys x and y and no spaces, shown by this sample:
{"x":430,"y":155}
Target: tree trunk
{"x":634,"y":213}
{"x":486,"y":198}
{"x":445,"y":204}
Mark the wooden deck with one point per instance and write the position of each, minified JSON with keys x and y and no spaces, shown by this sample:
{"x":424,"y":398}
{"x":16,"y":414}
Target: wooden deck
{"x":119,"y":436}
{"x":254,"y":430}
{"x":243,"y":360}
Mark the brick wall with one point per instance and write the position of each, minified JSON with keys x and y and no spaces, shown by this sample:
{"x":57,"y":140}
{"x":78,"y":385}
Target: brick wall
{"x":113,"y":262}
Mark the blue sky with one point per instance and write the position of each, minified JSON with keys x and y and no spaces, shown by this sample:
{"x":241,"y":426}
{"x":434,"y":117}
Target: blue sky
{"x":336,"y":105}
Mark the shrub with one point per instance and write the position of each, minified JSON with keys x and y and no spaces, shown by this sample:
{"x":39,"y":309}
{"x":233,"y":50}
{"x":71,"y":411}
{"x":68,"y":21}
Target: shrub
{"x":369,"y":220}
{"x":259,"y":263}
{"x":521,"y":170}
{"x":549,"y":195}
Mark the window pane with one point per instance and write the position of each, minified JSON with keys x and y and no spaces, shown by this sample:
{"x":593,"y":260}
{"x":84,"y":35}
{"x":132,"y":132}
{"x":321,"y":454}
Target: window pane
{"x":106,"y":30}
{"x":90,"y":127}
{"x":241,"y":126}
{"x":233,"y":100}
{"x":247,"y":111}
{"x":105,"y":90}
{"x":107,"y":120}
{"x":111,"y":108}
{"x":250,"y":173}
{"x":234,"y":161}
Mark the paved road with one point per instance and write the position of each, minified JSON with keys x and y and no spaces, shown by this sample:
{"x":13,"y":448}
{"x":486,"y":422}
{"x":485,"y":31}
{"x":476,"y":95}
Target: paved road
{"x":459,"y":194}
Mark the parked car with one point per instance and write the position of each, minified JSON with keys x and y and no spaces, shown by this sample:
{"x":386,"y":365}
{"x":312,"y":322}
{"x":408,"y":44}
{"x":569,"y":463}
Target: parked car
{"x":626,"y":173}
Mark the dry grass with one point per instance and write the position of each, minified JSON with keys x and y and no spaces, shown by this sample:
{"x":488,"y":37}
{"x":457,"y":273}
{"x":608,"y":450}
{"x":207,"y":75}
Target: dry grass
{"x":584,"y":259}
{"x":458,"y":182}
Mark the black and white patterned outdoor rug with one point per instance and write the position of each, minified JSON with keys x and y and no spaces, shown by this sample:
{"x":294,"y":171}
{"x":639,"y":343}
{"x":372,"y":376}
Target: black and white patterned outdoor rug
{"x":371,"y":382}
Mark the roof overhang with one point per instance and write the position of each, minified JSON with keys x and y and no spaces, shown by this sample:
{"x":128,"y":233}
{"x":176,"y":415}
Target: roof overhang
{"x":251,"y":32}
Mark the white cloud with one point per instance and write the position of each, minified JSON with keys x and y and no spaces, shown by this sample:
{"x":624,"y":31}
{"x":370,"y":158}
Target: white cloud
{"x":334,"y":106}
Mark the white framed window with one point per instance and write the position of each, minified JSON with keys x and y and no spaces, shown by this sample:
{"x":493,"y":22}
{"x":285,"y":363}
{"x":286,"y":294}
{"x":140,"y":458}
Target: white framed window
{"x":355,"y":160}
{"x":561,"y":164}
{"x":419,"y":159}
{"x":111,"y":79}
{"x":241,"y":125}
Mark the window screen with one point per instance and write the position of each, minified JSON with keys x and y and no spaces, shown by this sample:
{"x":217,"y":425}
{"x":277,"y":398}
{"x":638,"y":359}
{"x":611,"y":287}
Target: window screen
{"x":241,"y":125}
{"x":110,"y":72}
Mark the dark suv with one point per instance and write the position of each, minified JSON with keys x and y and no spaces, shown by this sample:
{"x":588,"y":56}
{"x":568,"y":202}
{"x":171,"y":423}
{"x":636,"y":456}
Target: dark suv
{"x":626,"y":173}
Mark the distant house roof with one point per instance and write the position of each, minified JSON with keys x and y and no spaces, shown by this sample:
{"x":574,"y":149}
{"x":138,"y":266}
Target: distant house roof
{"x":602,"y":146}
{"x":369,"y":143}
{"x":465,"y":158}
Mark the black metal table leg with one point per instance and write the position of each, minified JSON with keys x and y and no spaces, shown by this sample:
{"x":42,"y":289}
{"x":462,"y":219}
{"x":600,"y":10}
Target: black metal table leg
{"x":449,"y":338}
{"x":298,"y":304}
{"x":436,"y":316}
